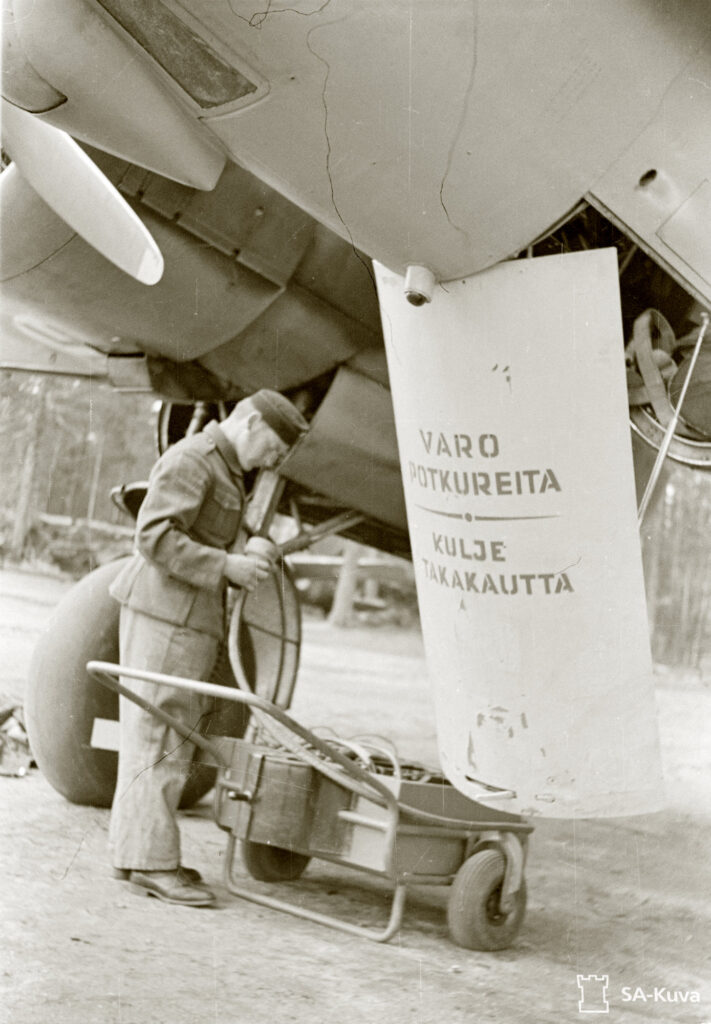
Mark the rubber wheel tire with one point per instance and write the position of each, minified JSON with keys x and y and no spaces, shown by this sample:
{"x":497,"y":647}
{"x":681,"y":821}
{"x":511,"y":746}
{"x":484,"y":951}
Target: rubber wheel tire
{"x":272,"y":863}
{"x":474,"y":920}
{"x":62,"y":700}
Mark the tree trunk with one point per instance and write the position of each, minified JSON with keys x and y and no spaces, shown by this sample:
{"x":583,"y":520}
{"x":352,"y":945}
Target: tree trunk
{"x":24,"y":509}
{"x":342,"y":608}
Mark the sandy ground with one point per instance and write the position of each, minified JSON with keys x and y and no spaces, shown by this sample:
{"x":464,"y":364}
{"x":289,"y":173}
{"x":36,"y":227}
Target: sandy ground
{"x":630,"y":898}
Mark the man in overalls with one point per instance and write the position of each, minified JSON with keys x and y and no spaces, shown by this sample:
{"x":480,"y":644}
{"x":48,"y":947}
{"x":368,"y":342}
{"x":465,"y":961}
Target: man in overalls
{"x":172,"y":621}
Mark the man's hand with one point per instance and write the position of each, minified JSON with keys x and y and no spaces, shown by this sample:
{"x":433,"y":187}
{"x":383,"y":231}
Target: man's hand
{"x":247,"y":571}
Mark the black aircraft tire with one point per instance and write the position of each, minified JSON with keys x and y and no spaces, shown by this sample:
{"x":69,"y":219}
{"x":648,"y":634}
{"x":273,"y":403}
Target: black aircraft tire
{"x":62,"y":700}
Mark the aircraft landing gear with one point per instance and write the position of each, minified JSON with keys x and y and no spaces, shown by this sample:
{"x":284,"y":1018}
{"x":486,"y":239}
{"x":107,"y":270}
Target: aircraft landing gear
{"x":71,"y":719}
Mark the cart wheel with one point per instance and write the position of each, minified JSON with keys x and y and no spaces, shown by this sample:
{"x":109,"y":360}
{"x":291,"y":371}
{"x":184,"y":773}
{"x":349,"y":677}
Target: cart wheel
{"x":272,"y":863}
{"x":473,"y":915}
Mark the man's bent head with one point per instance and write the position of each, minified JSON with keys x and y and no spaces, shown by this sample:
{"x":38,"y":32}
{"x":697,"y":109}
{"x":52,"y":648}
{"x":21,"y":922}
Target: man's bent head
{"x":263,"y":428}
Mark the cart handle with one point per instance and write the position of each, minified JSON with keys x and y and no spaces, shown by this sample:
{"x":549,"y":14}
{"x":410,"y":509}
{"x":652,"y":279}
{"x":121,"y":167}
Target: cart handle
{"x":104,"y":672}
{"x":356,"y":779}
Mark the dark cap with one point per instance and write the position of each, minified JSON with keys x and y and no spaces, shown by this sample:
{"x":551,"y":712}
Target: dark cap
{"x":278,"y":412}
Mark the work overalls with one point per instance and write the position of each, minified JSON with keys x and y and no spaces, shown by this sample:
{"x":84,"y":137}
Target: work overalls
{"x":172,"y":621}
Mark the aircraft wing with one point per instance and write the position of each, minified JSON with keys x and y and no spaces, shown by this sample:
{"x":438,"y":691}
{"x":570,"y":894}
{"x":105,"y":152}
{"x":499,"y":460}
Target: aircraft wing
{"x":274,"y":153}
{"x":275,"y":157}
{"x":450,"y":135}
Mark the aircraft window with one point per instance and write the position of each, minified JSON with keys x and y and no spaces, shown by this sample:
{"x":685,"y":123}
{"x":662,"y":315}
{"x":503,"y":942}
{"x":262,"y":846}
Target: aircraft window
{"x":187,"y":58}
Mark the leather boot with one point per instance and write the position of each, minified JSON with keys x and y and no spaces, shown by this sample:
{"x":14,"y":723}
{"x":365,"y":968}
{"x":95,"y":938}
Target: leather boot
{"x":172,"y":887}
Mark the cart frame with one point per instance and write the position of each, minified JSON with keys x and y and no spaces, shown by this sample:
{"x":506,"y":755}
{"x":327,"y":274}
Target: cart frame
{"x":369,"y":805}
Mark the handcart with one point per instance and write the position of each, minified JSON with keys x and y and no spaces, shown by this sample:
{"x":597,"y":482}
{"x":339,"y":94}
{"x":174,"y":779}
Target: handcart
{"x":313,"y":798}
